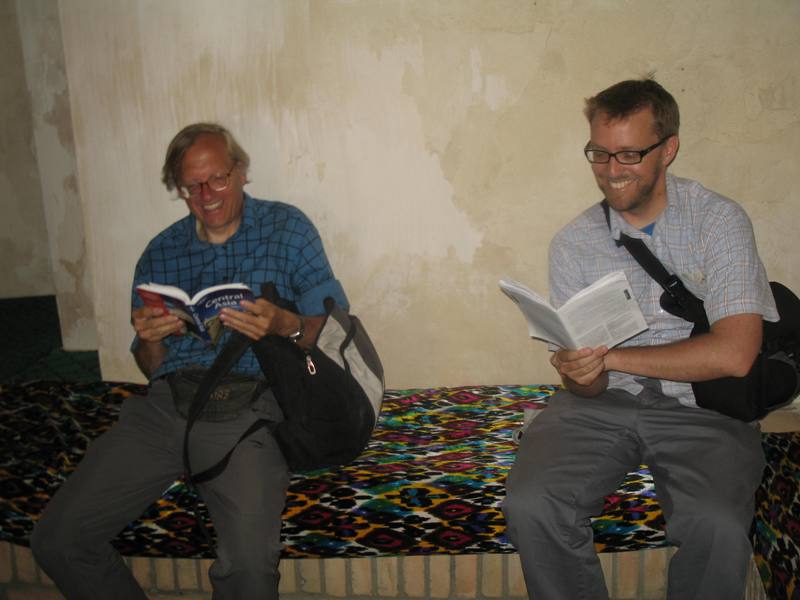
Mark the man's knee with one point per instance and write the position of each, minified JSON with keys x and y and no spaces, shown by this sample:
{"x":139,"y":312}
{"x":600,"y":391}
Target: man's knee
{"x":256,"y":551}
{"x":527,"y":506}
{"x":39,"y":545}
{"x":711,"y":523}
{"x":51,"y":540}
{"x":250,"y":542}
{"x":244,"y":564}
{"x":247,"y":566}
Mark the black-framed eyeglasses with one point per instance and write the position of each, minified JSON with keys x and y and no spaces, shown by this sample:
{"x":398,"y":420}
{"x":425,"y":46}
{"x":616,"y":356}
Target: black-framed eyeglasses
{"x":218,"y":183}
{"x":623,"y":157}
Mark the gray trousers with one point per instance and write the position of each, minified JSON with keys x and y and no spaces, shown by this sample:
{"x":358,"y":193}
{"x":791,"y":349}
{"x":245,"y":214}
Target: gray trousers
{"x":706,"y":468}
{"x":130,"y":465}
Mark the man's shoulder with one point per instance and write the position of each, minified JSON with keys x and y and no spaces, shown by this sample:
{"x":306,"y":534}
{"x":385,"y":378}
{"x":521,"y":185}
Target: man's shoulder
{"x":276,"y":213}
{"x":588,"y":226}
{"x":692,"y":196}
{"x":178,"y":234}
{"x":702,"y":205}
{"x":265,"y":206}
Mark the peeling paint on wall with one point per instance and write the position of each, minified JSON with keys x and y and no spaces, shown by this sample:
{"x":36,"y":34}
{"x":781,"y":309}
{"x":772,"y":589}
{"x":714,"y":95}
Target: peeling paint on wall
{"x":55,"y":156}
{"x":24,"y":254}
{"x":436,"y":145}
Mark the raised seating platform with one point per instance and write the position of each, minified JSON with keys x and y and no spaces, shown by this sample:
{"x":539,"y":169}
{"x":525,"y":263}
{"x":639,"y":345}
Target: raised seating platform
{"x":423,"y":497}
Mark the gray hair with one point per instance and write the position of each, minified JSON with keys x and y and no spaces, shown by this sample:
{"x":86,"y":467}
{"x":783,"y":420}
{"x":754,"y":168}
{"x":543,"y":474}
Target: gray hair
{"x":186,"y":137}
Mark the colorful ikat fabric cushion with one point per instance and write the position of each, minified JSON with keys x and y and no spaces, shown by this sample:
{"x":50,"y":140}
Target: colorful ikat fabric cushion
{"x":431,"y":481}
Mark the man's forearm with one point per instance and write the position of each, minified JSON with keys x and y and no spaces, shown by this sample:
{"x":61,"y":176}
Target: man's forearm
{"x":149,"y":356}
{"x":687,"y":360}
{"x":727,"y":351}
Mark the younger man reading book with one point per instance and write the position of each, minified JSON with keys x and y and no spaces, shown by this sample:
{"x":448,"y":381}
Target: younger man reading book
{"x":227,"y":237}
{"x":633,"y":403}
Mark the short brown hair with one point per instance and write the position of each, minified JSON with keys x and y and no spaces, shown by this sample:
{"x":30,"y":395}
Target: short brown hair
{"x":185,"y":138}
{"x":627,"y":97}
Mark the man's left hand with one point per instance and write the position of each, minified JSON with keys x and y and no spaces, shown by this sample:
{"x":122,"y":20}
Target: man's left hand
{"x":260,"y":318}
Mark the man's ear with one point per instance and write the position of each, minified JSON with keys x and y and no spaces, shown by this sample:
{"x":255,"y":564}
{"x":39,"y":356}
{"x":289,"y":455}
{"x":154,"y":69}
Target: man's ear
{"x":671,"y":147}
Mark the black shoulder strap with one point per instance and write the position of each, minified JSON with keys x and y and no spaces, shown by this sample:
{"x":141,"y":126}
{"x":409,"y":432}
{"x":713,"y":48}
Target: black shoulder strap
{"x":671,"y":283}
{"x":641,"y":253}
{"x":230,"y":354}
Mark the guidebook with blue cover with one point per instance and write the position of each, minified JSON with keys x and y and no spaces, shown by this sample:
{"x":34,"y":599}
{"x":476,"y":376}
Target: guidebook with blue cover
{"x":200,"y":313}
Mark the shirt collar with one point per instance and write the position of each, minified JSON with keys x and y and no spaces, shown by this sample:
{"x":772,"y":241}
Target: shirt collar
{"x":248,"y":214}
{"x":620,"y":225}
{"x":248,"y":221}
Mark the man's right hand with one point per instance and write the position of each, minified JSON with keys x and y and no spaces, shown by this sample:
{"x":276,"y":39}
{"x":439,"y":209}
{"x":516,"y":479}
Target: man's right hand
{"x":583,"y":371}
{"x":154,"y":324}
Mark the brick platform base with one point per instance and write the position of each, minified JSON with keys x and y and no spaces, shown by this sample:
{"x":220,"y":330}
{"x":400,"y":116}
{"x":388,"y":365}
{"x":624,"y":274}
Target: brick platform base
{"x":630,"y":576}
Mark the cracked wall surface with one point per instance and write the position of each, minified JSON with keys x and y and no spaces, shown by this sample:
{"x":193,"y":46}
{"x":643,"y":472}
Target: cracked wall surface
{"x":436,"y":145}
{"x":44,"y":248}
{"x":24,"y":249}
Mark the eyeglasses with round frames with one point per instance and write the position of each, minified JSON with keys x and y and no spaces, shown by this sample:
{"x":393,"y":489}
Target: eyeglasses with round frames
{"x":218,"y":183}
{"x":623,"y":157}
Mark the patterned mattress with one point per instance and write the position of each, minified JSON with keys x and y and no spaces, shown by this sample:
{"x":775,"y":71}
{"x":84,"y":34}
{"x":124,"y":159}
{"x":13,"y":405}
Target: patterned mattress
{"x":430,"y":482}
{"x":776,"y":528}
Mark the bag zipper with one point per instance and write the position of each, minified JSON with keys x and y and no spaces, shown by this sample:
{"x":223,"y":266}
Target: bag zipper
{"x":312,"y":368}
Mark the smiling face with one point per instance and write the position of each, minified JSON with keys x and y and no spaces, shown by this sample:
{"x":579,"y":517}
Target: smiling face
{"x":218,"y":214}
{"x":638,"y":192}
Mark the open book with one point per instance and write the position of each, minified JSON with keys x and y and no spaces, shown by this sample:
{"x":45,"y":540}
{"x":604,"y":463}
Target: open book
{"x":603,"y":314}
{"x":201,"y":311}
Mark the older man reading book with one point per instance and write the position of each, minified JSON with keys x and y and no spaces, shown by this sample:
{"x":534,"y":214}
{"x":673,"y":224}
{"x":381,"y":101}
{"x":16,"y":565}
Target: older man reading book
{"x":228,"y":236}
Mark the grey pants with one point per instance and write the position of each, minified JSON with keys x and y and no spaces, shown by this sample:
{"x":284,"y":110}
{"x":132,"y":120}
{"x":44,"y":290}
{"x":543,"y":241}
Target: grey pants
{"x":129,"y":466}
{"x":706,"y":468}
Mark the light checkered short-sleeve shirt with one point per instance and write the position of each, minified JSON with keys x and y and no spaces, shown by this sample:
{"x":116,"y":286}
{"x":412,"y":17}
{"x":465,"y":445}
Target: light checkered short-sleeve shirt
{"x":704,"y":238}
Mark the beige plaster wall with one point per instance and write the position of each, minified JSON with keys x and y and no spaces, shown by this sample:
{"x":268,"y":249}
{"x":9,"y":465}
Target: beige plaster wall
{"x":437,"y":145}
{"x":24,"y":255}
{"x":40,"y":27}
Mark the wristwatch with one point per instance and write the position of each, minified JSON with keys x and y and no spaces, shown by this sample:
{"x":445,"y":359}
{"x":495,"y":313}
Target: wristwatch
{"x":301,"y":329}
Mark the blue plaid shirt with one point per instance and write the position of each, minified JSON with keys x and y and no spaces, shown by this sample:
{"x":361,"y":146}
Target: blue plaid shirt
{"x":275,"y":242}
